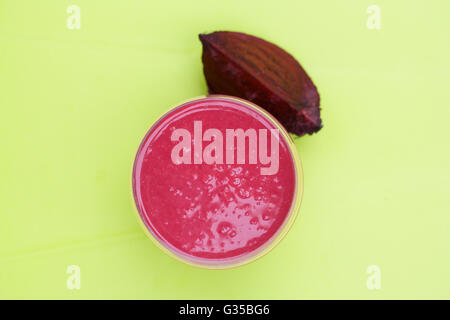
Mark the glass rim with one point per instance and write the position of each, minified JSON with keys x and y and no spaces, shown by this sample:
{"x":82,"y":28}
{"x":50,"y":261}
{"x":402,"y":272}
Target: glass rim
{"x":269,"y":244}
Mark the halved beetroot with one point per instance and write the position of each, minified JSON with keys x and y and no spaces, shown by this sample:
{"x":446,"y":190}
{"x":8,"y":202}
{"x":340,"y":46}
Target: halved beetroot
{"x":251,"y":68}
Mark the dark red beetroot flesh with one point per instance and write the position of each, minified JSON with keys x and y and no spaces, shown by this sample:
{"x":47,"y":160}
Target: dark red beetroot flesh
{"x":251,"y":68}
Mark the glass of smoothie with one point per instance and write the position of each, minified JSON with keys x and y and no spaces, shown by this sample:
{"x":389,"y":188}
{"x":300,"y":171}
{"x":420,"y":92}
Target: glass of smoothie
{"x":217,"y":182}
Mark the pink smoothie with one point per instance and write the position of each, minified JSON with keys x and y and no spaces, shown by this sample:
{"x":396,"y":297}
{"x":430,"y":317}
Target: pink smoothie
{"x":215,"y":209}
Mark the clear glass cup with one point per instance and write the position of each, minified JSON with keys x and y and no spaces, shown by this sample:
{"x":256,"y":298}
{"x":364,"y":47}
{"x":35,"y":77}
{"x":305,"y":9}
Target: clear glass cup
{"x":144,"y":209}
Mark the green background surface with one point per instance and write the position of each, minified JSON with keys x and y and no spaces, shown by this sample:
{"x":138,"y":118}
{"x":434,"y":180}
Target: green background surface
{"x":75,"y":104}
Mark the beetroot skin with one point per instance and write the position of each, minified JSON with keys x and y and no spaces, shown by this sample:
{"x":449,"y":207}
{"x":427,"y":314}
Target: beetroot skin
{"x":251,"y":68}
